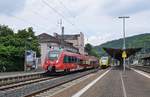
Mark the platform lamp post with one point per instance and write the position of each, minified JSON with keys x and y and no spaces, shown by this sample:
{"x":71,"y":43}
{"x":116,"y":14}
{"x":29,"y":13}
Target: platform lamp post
{"x":124,"y":43}
{"x":25,"y":63}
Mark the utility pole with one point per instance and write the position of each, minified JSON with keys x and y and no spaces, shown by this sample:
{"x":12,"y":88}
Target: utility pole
{"x":62,"y":34}
{"x":124,"y":43}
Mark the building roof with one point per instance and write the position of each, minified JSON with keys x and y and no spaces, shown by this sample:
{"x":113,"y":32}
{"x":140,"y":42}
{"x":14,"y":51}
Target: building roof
{"x":68,"y":37}
{"x":46,"y":38}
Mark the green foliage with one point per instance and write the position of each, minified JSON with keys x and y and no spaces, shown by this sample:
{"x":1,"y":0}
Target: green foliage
{"x":13,"y":46}
{"x":5,"y":31}
{"x":137,"y":41}
{"x":91,"y":50}
{"x":88,"y":47}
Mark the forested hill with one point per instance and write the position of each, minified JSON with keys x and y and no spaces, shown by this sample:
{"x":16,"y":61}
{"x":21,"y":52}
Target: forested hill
{"x":142,"y":40}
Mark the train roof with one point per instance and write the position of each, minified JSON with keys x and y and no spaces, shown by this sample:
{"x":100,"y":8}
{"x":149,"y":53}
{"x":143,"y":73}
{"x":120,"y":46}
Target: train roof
{"x":79,"y":55}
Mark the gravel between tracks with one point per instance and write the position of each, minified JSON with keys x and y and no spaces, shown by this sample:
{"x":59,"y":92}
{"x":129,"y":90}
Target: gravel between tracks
{"x":28,"y":90}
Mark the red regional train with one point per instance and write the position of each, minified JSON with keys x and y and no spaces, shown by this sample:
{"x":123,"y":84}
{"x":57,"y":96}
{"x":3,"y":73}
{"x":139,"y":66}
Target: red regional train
{"x":61,"y":60}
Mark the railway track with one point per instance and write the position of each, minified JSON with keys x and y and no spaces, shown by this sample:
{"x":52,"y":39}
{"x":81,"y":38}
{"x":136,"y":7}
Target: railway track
{"x":142,"y":68}
{"x":17,"y":78}
{"x":59,"y":84}
{"x":43,"y":77}
{"x":15,"y":85}
{"x":34,"y":87}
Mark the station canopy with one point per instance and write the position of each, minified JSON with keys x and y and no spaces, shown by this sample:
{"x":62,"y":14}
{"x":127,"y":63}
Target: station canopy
{"x":117,"y":53}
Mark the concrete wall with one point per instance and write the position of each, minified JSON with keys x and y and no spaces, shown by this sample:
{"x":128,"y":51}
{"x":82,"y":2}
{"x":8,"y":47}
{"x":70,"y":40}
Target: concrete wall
{"x":79,"y":43}
{"x":44,"y":49}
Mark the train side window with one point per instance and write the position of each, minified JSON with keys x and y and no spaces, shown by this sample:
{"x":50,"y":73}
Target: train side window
{"x":81,"y":61}
{"x":91,"y":62}
{"x":73,"y":59}
{"x":77,"y":61}
{"x":69,"y":59}
{"x":66,"y":59}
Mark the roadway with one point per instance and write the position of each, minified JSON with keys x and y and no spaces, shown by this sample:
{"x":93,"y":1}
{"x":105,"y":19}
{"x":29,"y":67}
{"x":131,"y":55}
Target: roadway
{"x":111,"y":82}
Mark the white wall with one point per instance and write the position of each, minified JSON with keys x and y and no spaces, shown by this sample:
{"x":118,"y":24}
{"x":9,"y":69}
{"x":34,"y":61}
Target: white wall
{"x":44,"y":49}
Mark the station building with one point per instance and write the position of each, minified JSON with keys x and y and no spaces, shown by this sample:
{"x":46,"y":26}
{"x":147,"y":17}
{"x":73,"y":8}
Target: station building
{"x":77,"y":40}
{"x":74,"y":43}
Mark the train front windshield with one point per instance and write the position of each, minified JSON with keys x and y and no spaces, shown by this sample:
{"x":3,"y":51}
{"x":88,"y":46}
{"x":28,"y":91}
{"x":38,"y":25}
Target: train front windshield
{"x":53,"y":55}
{"x":104,"y":60}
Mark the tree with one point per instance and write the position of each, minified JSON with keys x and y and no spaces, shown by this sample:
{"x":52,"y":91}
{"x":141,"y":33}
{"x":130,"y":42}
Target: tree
{"x":5,"y":30}
{"x":13,"y":46}
{"x":88,"y":47}
{"x":91,"y":50}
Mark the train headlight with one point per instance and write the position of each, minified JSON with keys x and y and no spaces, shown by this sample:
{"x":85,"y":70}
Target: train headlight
{"x":47,"y":62}
{"x":57,"y":61}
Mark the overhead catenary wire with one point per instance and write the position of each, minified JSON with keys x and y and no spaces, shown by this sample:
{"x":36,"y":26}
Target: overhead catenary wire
{"x":43,"y":17}
{"x":45,"y":2}
{"x":66,"y":8}
{"x":36,"y":12}
{"x":29,"y":22}
{"x":57,"y":12}
{"x":25,"y":21}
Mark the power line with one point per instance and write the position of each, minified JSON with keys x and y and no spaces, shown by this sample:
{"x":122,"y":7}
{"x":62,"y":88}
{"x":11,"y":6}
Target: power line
{"x":36,"y":12}
{"x":60,"y":2}
{"x":28,"y":22}
{"x":49,"y":6}
{"x":68,"y":12}
{"x":43,"y":17}
{"x":25,"y":21}
{"x":67,"y":9}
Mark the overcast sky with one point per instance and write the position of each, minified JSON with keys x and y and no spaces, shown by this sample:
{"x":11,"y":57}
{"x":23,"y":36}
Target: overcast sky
{"x":97,"y":19}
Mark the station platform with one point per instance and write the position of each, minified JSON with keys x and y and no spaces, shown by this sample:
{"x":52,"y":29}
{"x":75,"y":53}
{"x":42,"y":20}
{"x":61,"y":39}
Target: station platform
{"x":113,"y":82}
{"x":21,"y":73}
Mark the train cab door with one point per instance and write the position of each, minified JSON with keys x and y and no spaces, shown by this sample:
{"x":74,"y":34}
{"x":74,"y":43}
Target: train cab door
{"x":66,"y":61}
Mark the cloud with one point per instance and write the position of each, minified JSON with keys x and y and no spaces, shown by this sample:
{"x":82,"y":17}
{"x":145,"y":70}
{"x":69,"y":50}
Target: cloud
{"x":8,"y":7}
{"x":126,"y":7}
{"x":97,"y":19}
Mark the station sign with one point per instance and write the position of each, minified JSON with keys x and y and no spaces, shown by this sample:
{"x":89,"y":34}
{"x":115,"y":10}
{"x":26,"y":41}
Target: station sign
{"x":124,"y":54}
{"x":30,"y":59}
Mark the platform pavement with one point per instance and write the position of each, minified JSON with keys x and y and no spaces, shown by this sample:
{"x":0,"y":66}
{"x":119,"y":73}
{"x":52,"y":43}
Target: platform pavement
{"x":115,"y":83}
